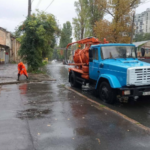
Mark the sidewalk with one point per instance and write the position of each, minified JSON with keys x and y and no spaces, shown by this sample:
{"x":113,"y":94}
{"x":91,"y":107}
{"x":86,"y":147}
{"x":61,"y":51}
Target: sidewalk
{"x":8,"y":74}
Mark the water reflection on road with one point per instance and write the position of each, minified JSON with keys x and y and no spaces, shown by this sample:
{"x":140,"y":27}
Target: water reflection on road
{"x":139,"y":111}
{"x":59,"y":119}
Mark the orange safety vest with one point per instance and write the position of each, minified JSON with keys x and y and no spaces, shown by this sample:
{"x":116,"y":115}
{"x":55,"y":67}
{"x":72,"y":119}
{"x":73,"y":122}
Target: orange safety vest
{"x":22,"y":69}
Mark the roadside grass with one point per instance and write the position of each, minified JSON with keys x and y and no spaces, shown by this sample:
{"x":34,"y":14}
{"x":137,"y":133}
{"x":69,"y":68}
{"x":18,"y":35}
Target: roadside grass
{"x":102,"y":105}
{"x":40,"y":70}
{"x":44,"y":62}
{"x":13,"y":62}
{"x":37,"y":72}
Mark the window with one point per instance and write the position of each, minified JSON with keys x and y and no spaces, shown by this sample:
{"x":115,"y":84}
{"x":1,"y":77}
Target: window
{"x":113,"y":52}
{"x":95,"y":54}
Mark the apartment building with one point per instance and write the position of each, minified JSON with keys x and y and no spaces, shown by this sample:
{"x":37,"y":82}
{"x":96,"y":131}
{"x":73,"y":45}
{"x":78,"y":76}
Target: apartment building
{"x":142,"y":22}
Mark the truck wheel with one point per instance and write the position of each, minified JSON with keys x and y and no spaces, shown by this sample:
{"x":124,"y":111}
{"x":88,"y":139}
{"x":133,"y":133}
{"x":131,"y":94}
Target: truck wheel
{"x":106,"y":93}
{"x":73,"y":81}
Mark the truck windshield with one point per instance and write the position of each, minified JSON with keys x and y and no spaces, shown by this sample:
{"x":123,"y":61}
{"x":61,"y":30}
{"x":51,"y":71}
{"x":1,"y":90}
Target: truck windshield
{"x":110,"y":52}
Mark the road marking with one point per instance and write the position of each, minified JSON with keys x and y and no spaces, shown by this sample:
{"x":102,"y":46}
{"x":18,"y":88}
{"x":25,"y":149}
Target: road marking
{"x":147,"y":129}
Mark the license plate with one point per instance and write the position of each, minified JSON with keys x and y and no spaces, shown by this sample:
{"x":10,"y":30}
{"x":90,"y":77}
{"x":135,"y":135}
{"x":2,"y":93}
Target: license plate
{"x":146,"y":93}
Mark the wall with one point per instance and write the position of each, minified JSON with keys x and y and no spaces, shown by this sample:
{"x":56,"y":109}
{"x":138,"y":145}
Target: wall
{"x":9,"y":47}
{"x":8,"y":40}
{"x":15,"y":46}
{"x":2,"y":56}
{"x":4,"y":45}
{"x":2,"y":37}
{"x":17,"y":49}
{"x":146,"y":46}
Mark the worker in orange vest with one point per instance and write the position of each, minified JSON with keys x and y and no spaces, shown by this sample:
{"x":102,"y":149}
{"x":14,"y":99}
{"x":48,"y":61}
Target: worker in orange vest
{"x":22,"y":70}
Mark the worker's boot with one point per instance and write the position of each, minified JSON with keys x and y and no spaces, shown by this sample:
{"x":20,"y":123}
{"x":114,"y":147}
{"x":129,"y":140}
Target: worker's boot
{"x":26,"y":77}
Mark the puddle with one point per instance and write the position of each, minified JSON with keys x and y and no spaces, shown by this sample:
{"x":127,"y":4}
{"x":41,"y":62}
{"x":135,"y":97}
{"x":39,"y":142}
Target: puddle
{"x":33,"y":113}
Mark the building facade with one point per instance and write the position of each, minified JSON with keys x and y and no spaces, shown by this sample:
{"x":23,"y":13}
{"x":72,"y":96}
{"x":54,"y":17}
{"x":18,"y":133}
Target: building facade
{"x":9,"y":47}
{"x":5,"y":45}
{"x":15,"y":46}
{"x":142,"y":22}
{"x":143,"y":49}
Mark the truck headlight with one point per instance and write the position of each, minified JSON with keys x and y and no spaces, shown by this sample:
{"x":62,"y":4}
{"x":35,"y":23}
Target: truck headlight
{"x":127,"y":92}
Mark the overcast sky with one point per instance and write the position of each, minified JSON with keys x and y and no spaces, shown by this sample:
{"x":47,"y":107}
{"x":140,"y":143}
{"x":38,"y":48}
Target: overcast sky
{"x":13,"y":12}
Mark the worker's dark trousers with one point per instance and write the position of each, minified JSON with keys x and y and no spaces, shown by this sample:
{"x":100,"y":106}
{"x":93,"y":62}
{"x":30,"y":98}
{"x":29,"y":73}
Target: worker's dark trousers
{"x":19,"y":76}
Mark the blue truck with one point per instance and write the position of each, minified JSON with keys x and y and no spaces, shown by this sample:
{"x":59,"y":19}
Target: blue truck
{"x":113,"y":69}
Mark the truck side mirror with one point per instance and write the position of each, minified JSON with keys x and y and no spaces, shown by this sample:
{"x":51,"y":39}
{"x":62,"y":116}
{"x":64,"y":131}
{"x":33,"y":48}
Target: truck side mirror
{"x":90,"y":55}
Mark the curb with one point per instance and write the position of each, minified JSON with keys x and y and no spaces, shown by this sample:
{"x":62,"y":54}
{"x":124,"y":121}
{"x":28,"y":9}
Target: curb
{"x":147,"y":129}
{"x":19,"y":82}
{"x":5,"y":83}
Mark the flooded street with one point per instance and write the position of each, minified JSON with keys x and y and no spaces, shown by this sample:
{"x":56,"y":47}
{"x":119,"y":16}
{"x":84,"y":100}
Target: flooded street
{"x":72,"y":74}
{"x":139,"y":111}
{"x":47,"y":116}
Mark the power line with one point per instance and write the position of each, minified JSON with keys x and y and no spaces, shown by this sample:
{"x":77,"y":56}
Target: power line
{"x":49,"y":5}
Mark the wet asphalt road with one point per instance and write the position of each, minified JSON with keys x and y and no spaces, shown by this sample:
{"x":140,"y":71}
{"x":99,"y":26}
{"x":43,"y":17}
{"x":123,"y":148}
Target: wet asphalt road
{"x":139,"y":111}
{"x":46,"y":116}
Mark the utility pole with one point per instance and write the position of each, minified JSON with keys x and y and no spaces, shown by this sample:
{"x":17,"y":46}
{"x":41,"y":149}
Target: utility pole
{"x":132,"y":28}
{"x":29,"y":8}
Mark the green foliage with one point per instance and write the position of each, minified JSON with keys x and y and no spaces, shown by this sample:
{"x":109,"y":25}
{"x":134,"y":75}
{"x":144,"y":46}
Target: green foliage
{"x":94,"y":14}
{"x":65,"y":38}
{"x":88,"y":13}
{"x":37,"y":38}
{"x":66,"y":34}
{"x":142,"y":37}
{"x":44,"y":62}
{"x":58,"y":55}
{"x":80,"y":22}
{"x":30,"y":70}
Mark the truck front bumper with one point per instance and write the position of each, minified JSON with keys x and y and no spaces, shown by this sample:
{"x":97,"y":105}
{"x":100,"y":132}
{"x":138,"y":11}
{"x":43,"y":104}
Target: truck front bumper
{"x":135,"y":91}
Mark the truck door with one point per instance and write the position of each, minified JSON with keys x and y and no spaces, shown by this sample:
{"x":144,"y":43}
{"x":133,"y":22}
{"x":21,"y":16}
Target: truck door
{"x":94,"y":64}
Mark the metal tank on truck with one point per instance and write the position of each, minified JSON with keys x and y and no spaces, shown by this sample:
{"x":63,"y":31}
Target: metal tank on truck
{"x":112,"y":68}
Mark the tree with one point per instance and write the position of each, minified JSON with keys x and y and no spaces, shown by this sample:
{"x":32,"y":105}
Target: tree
{"x":37,"y":37}
{"x":142,"y":37}
{"x":94,"y":14}
{"x":121,"y":13}
{"x":88,"y":13}
{"x":58,"y":53}
{"x":103,"y":30}
{"x":66,"y":34}
{"x":80,"y":21}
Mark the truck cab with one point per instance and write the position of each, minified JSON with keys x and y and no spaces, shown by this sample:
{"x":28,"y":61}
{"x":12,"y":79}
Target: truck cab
{"x":115,"y":71}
